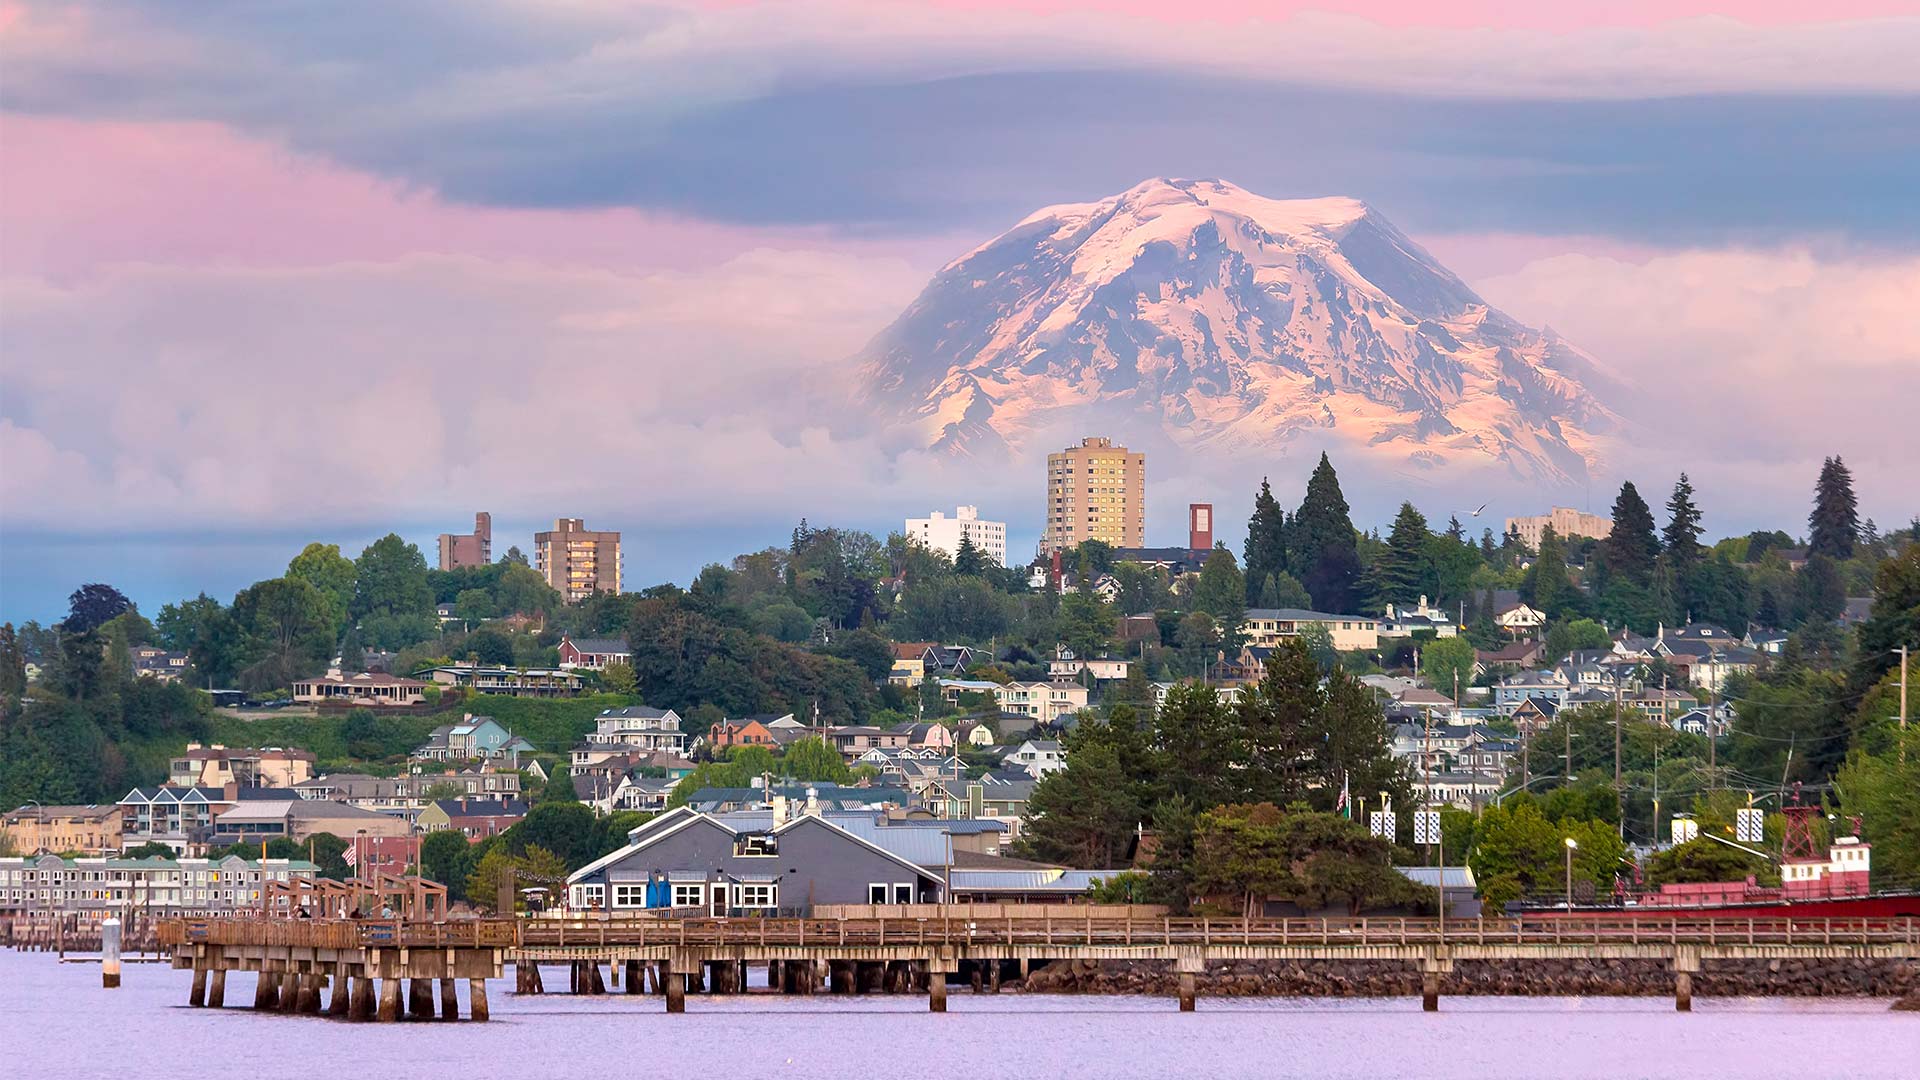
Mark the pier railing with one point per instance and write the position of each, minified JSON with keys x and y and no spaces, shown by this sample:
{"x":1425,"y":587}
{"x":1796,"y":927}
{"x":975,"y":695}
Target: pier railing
{"x":1062,"y":931}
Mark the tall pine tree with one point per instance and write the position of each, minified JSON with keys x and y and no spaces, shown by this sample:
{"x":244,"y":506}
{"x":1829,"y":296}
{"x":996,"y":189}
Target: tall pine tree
{"x":1546,"y":586}
{"x":1266,"y":550}
{"x":1630,"y":549}
{"x":1325,"y":552}
{"x":1405,"y":570}
{"x":1681,"y":559}
{"x":1834,"y":525}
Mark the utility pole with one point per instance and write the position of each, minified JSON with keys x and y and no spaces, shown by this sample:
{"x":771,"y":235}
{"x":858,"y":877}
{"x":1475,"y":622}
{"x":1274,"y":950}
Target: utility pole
{"x":1713,"y":721}
{"x":1902,"y":650}
{"x":1566,"y":729}
{"x":1619,"y":792}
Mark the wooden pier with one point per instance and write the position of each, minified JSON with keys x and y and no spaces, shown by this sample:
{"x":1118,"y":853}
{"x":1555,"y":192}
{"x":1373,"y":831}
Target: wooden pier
{"x":335,"y":965}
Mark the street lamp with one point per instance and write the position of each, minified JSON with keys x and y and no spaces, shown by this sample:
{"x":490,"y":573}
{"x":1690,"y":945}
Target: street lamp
{"x":1572,"y":846}
{"x":1500,"y":798}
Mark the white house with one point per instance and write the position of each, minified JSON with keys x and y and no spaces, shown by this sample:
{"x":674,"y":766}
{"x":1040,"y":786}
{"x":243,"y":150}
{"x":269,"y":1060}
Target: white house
{"x":1038,"y":756}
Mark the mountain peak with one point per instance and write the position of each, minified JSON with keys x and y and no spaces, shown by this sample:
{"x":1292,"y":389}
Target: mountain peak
{"x":1228,"y":319}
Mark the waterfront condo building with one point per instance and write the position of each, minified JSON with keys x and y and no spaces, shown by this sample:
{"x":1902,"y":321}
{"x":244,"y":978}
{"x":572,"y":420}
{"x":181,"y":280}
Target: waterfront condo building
{"x":1096,"y":491}
{"x":577,"y":562}
{"x":1566,"y":523}
{"x":458,"y":552}
{"x":943,"y":533}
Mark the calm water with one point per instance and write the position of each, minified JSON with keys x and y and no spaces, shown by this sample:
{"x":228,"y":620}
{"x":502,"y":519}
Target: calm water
{"x":55,"y":1021}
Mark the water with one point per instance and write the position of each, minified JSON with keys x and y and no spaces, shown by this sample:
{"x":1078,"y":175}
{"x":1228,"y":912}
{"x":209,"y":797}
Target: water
{"x":56,"y":1022}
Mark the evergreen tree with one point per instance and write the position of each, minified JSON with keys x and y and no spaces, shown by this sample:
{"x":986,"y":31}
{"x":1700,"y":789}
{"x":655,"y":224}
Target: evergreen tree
{"x":1324,"y":549}
{"x":1834,"y":525}
{"x":1284,"y":591}
{"x":1682,"y":534}
{"x":1405,"y":571}
{"x":1266,"y":551}
{"x":1456,"y":532}
{"x":1546,"y":586}
{"x":1822,"y":596}
{"x":967,"y":560}
{"x":1767,"y":612}
{"x":1630,"y":549}
{"x":1222,"y":593}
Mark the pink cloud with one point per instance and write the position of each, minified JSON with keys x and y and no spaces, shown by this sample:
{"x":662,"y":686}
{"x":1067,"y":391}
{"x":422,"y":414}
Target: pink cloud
{"x":1455,"y":14}
{"x":82,"y":194}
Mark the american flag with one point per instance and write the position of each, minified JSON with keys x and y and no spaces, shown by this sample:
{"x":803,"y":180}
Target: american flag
{"x":351,"y":855}
{"x":1345,"y":806}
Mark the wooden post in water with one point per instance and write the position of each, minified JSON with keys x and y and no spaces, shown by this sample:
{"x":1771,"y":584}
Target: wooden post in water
{"x":477,"y":990}
{"x":197,"y":996}
{"x":1186,"y":991}
{"x":360,"y":1005}
{"x":636,"y":982}
{"x":1683,"y":991}
{"x":389,"y":1001}
{"x":936,"y":989}
{"x":449,"y":1000}
{"x":676,"y":990}
{"x":1430,"y":991}
{"x":420,"y":999}
{"x":342,"y":991}
{"x":110,"y":956}
{"x":217,"y":990}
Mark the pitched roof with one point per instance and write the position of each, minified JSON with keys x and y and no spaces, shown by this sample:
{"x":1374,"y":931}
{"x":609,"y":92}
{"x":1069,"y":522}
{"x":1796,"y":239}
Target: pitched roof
{"x":598,"y":645}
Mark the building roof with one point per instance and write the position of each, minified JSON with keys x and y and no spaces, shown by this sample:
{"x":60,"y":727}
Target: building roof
{"x":597,"y":644}
{"x":1302,"y":615}
{"x":365,"y":679}
{"x":478,"y":808}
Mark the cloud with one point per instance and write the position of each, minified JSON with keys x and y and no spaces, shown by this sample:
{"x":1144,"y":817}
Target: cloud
{"x":851,"y":111}
{"x":341,"y":392}
{"x":1747,"y":367}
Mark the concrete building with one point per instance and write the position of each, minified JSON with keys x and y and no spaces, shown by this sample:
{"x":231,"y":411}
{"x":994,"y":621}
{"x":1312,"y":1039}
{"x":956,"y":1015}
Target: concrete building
{"x":1265,"y":627}
{"x":578,"y":562}
{"x":1095,"y":491}
{"x":98,"y":887}
{"x":458,"y":552}
{"x":1565,"y":521}
{"x":91,"y":829}
{"x":942,"y":533}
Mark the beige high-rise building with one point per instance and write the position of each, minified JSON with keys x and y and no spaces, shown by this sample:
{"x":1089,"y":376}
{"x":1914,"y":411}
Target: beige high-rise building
{"x":1095,"y":491}
{"x":578,"y":562}
{"x":1566,"y":523}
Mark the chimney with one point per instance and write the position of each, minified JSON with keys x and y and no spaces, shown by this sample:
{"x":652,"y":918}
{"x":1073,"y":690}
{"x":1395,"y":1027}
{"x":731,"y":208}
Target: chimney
{"x":813,"y":802}
{"x":779,"y":810}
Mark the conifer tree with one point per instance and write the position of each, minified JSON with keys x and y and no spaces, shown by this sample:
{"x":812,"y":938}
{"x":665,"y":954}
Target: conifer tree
{"x":1682,"y":534}
{"x":967,"y":559}
{"x":1324,"y":549}
{"x":1630,"y":549}
{"x":1545,"y":586}
{"x":1266,"y":550}
{"x":1405,"y":570}
{"x":1834,"y":525}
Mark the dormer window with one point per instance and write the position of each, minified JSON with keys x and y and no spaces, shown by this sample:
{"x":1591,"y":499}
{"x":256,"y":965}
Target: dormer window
{"x":754,"y":845}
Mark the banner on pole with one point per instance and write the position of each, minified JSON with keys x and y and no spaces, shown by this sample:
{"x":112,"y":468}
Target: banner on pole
{"x":1426,"y":826}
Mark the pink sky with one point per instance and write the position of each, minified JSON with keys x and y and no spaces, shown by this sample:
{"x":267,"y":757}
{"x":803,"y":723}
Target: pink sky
{"x":1511,"y":14}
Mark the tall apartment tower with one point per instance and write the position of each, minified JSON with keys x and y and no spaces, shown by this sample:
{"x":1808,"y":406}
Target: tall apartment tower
{"x":475,"y":549}
{"x":943,"y":533}
{"x":577,"y":562}
{"x":1095,"y":491}
{"x":1200,"y":526}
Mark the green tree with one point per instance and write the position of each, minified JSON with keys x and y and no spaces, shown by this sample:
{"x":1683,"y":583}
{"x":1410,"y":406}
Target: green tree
{"x":1254,"y":853}
{"x":1894,"y":618}
{"x":286,"y":629}
{"x":1448,"y":662}
{"x":1222,"y":593}
{"x":1883,"y":791}
{"x":1405,"y":569}
{"x":812,"y":760}
{"x":967,"y":560}
{"x":392,"y":599}
{"x":866,"y":649}
{"x":440,"y":856}
{"x":620,"y":678}
{"x":1086,"y":623}
{"x":1704,"y":860}
{"x":1325,"y":552}
{"x":1516,"y":842}
{"x":474,"y":606}
{"x":1546,"y":585}
{"x":565,"y":829}
{"x":558,"y":788}
{"x":1575,"y":635}
{"x":1631,"y":548}
{"x":323,"y":567}
{"x":1834,"y":525}
{"x":1266,"y":548}
{"x":91,"y":605}
{"x":1085,"y":814}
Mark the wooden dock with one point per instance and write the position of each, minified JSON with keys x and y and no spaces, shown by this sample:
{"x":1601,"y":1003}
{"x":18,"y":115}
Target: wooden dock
{"x":300,"y":960}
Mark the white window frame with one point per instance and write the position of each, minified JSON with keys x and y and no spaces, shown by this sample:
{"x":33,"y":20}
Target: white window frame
{"x":877,"y":892}
{"x":593,"y":896}
{"x":689,"y":894}
{"x":630,"y":894}
{"x":756,"y":894}
{"x":903,"y":892}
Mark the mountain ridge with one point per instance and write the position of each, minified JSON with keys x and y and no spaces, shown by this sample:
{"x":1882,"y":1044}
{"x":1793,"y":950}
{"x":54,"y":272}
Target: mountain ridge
{"x":1231,"y":321}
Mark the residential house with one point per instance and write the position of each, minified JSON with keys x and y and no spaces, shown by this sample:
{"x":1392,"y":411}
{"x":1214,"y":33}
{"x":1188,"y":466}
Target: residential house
{"x":511,"y":682}
{"x":687,"y":862}
{"x":92,"y":829}
{"x":827,"y":797}
{"x":1520,"y":620}
{"x":158,"y":664}
{"x":638,"y":727}
{"x":857,"y":739}
{"x":367,"y":689}
{"x":1464,"y":790}
{"x":909,"y":663}
{"x":1038,"y":756}
{"x":1706,"y":654}
{"x":746,"y":732}
{"x":296,"y":819}
{"x":182,"y":817}
{"x":951,"y":690}
{"x":1533,"y":714}
{"x":1267,"y":627}
{"x":1045,"y":702}
{"x":218,"y":766}
{"x":405,"y":796}
{"x":1227,"y":693}
{"x":1405,"y":620}
{"x":593,"y":654}
{"x":1512,"y":656}
{"x":476,"y":819}
{"x":1065,"y":665}
{"x":1512,"y":691}
{"x":927,"y":736}
{"x":977,"y":731}
{"x":474,"y":738}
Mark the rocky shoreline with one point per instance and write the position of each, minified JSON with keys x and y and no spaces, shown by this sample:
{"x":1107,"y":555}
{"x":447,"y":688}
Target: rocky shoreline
{"x":1586,"y":978}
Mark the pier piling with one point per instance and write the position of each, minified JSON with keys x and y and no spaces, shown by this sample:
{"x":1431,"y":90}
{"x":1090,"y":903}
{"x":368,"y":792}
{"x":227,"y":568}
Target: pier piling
{"x":110,"y":954}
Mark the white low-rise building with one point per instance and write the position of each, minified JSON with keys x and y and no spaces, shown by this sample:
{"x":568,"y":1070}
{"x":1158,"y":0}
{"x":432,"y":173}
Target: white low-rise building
{"x":943,"y":533}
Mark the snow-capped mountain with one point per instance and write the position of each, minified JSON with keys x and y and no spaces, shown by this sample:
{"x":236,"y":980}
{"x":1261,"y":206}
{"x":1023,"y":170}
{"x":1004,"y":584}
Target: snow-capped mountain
{"x":1233,"y":322}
